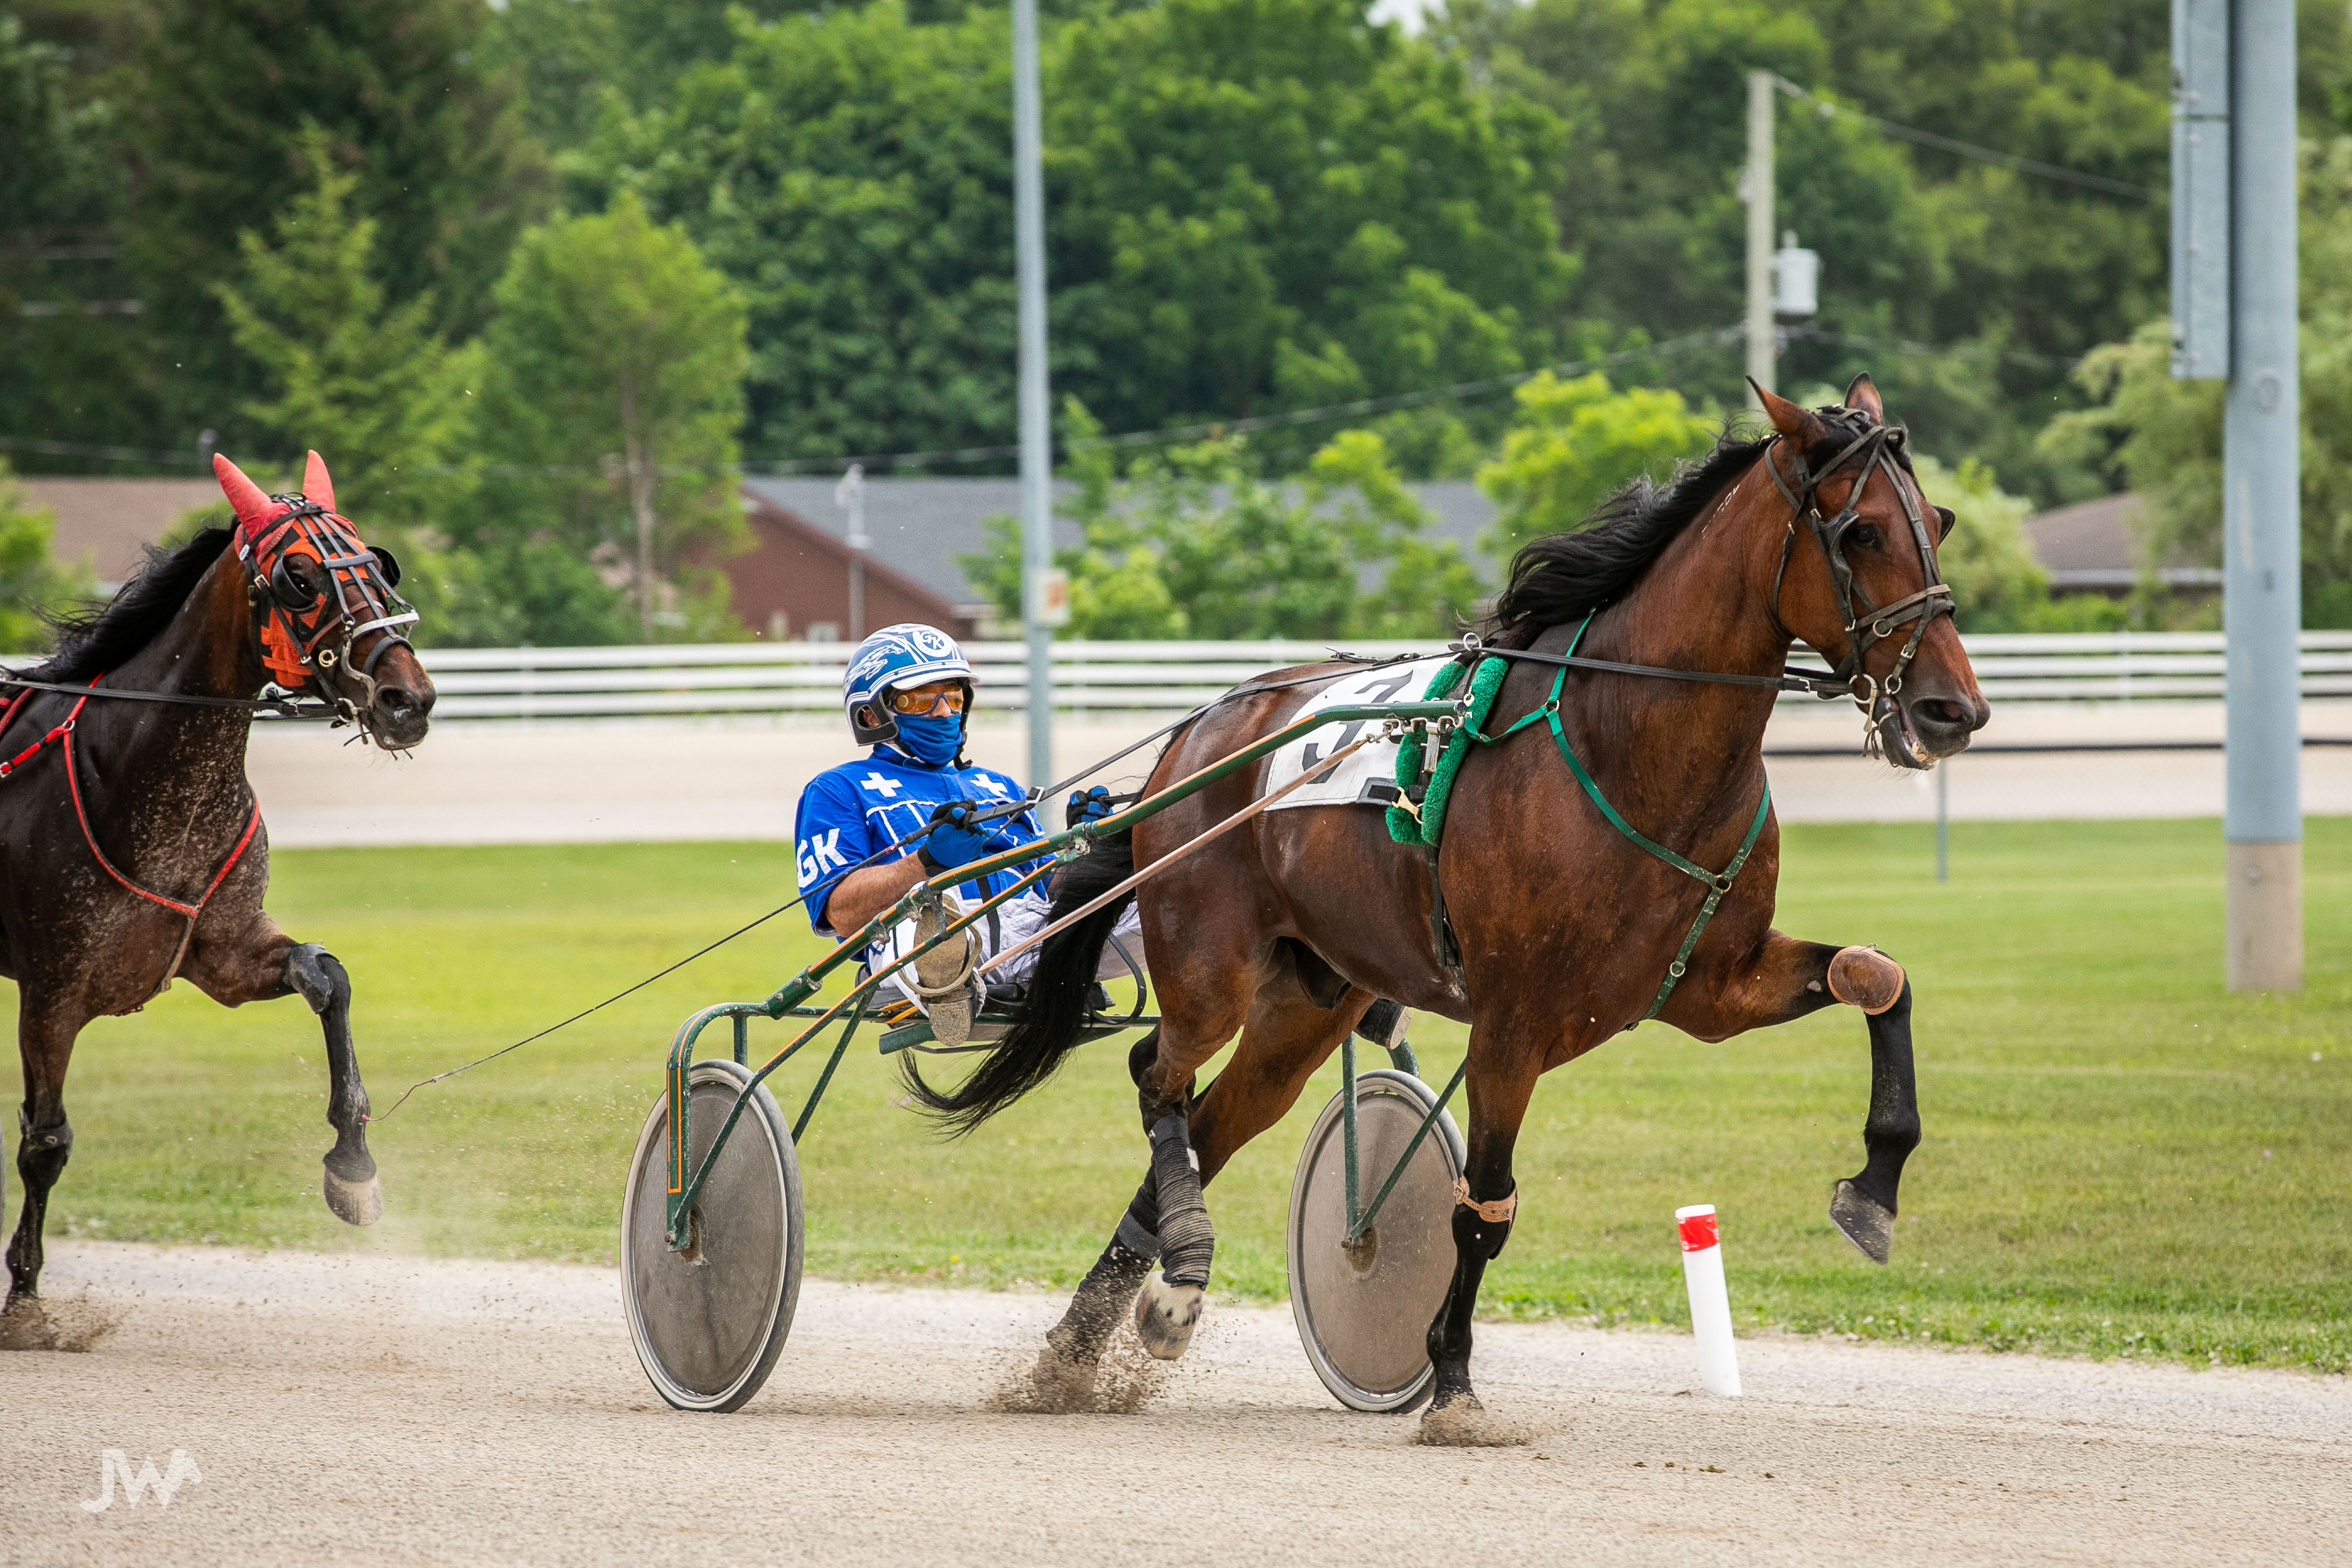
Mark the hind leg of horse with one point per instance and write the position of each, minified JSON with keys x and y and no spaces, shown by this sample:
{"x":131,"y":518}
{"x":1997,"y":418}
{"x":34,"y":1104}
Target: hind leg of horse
{"x":1504,"y":1063}
{"x":266,"y":964}
{"x":1284,"y":1040}
{"x":45,"y":1040}
{"x":1786,"y":978}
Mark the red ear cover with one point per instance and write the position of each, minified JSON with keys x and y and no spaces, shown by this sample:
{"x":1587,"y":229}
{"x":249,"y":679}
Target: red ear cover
{"x":316,"y":486}
{"x":253,"y":507}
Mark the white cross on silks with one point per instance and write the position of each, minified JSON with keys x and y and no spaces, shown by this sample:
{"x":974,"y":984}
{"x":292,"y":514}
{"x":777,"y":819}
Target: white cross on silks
{"x":886,"y":788}
{"x":992,"y":787}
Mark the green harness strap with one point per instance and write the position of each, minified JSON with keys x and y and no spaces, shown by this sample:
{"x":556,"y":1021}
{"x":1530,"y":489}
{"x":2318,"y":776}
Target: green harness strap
{"x":1430,"y":821}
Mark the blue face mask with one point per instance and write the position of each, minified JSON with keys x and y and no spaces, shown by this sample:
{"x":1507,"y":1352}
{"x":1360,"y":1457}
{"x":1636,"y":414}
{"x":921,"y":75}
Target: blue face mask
{"x":933,"y":738}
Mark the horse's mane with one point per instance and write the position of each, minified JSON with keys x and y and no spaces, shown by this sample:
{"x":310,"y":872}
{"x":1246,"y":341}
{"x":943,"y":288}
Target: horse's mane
{"x":92,"y":643}
{"x":1564,"y":576}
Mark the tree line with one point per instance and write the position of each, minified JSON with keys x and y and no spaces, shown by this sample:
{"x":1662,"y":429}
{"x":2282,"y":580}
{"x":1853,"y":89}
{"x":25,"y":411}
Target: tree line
{"x":539,"y":277}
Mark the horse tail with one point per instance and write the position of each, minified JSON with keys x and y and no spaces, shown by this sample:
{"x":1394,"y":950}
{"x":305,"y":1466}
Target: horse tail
{"x":1055,"y":1012}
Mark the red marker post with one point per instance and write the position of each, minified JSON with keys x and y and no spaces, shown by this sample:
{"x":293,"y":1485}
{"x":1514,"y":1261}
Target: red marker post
{"x":1710,"y":1300}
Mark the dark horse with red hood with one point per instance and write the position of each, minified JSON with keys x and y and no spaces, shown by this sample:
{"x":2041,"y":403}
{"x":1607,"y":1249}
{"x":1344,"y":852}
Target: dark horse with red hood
{"x":132,"y":851}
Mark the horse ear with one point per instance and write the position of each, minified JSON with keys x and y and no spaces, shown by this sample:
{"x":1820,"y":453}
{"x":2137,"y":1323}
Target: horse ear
{"x":316,"y":486}
{"x":1799,"y":425}
{"x":1861,"y":393}
{"x":253,"y":508}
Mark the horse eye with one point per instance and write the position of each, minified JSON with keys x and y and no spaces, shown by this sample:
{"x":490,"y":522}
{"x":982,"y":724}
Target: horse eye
{"x":1864,"y":537}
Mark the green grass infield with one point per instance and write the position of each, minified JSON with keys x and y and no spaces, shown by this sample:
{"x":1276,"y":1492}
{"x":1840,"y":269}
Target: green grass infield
{"x":2120,"y":1159}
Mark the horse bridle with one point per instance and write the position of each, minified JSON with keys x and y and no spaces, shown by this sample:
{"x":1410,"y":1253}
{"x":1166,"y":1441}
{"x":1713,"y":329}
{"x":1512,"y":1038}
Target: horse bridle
{"x":304,"y":638}
{"x":1866,"y":624}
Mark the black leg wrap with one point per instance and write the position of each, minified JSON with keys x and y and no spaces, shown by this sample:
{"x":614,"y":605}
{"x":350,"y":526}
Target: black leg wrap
{"x":1383,"y":1024}
{"x":1102,"y":1301}
{"x":1477,"y":1237}
{"x":1139,"y":1227}
{"x":1187,"y":1243}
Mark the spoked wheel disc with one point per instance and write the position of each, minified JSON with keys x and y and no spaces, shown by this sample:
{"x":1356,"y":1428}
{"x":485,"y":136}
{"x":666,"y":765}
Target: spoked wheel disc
{"x":1364,"y":1311}
{"x":709,"y":1322}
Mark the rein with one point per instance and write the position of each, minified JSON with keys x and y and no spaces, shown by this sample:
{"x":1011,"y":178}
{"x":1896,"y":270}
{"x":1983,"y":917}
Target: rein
{"x":286,"y":707}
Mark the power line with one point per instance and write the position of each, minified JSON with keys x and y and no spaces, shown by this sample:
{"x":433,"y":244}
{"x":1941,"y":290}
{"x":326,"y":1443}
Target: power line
{"x":1970,"y":149}
{"x":1458,"y":391}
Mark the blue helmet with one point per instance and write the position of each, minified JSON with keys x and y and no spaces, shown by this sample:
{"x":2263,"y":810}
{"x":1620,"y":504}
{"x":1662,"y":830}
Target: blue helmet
{"x":907,"y":655}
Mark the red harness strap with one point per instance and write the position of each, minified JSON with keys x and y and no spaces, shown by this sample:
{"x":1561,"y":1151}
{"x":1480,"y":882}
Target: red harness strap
{"x":188,"y":912}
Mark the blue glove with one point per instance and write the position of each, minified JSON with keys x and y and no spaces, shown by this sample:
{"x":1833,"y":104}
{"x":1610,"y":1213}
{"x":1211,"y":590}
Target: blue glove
{"x":957,"y":837}
{"x":1087,"y":806}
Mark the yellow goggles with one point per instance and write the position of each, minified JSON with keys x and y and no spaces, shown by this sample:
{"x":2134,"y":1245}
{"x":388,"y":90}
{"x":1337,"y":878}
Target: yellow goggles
{"x":919,"y":700}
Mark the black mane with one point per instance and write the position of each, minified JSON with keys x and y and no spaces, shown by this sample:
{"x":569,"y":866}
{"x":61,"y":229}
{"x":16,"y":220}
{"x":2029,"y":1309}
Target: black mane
{"x":90,"y":643}
{"x":1565,"y":576}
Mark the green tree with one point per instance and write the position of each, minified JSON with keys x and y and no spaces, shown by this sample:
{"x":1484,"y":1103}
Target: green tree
{"x":617,"y":361}
{"x":2013,"y":271}
{"x":33,"y":583}
{"x":1257,"y":205}
{"x":1572,"y":443}
{"x":1196,"y":542}
{"x":79,"y":365}
{"x":370,"y":387}
{"x":2162,"y":437}
{"x":218,"y":94}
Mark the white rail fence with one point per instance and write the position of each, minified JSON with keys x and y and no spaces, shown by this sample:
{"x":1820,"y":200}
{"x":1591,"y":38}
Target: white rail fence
{"x":1172,"y":677}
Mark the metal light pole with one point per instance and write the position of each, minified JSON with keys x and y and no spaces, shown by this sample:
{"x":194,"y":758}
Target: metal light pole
{"x":1036,"y":439}
{"x":1762,"y":351}
{"x":2262,"y":514}
{"x":850,"y":494}
{"x":2233,"y":316}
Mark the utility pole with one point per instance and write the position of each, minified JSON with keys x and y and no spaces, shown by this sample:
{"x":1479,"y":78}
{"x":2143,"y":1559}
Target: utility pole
{"x":2261,"y":514}
{"x":1762,"y":351}
{"x":850,"y":494}
{"x":2233,"y":318}
{"x":1036,"y":436}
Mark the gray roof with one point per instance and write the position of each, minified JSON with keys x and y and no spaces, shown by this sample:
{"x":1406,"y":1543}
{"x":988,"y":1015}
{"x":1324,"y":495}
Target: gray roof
{"x":920,"y":526}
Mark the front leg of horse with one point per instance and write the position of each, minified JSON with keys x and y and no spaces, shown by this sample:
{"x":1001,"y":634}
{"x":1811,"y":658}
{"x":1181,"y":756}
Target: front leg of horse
{"x":45,"y":1037}
{"x":1484,"y":1208}
{"x":353,"y":1190}
{"x":1786,"y":978}
{"x":251,"y":960}
{"x":1862,"y":1206}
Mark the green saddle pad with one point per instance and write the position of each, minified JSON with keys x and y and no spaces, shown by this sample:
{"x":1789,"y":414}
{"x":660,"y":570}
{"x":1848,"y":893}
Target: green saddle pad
{"x":1404,"y":827}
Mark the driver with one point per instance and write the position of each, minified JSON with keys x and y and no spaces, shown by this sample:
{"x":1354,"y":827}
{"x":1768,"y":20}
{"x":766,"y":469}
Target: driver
{"x":908,"y":694}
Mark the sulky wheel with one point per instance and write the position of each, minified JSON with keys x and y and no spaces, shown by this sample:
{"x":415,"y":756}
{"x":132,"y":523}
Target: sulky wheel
{"x":709,"y":1322}
{"x":1364,"y":1311}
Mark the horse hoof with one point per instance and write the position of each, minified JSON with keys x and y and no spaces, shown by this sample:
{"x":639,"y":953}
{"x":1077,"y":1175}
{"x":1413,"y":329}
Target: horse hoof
{"x":1464,"y":1422}
{"x":1866,"y":1222}
{"x":355,"y":1202}
{"x":1166,"y":1315}
{"x":1055,"y":1386}
{"x":1866,"y":977}
{"x":25,"y":1325}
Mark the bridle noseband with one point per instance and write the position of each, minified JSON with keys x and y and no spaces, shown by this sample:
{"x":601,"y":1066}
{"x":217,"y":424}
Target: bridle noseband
{"x":1866,"y":624}
{"x":304,"y":638}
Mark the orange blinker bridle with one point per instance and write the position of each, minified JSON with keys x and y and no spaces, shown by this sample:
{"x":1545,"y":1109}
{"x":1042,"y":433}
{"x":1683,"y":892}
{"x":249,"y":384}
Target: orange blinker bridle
{"x":304,"y":635}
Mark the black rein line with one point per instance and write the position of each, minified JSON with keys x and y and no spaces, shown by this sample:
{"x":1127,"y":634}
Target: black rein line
{"x":284,"y":708}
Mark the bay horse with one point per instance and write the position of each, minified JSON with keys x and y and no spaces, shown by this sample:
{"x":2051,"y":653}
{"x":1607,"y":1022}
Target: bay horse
{"x":134,"y":849}
{"x":1566,"y":927}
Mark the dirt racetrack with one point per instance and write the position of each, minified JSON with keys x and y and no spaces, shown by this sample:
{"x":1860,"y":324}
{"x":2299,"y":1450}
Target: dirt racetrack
{"x":390,"y":1411}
